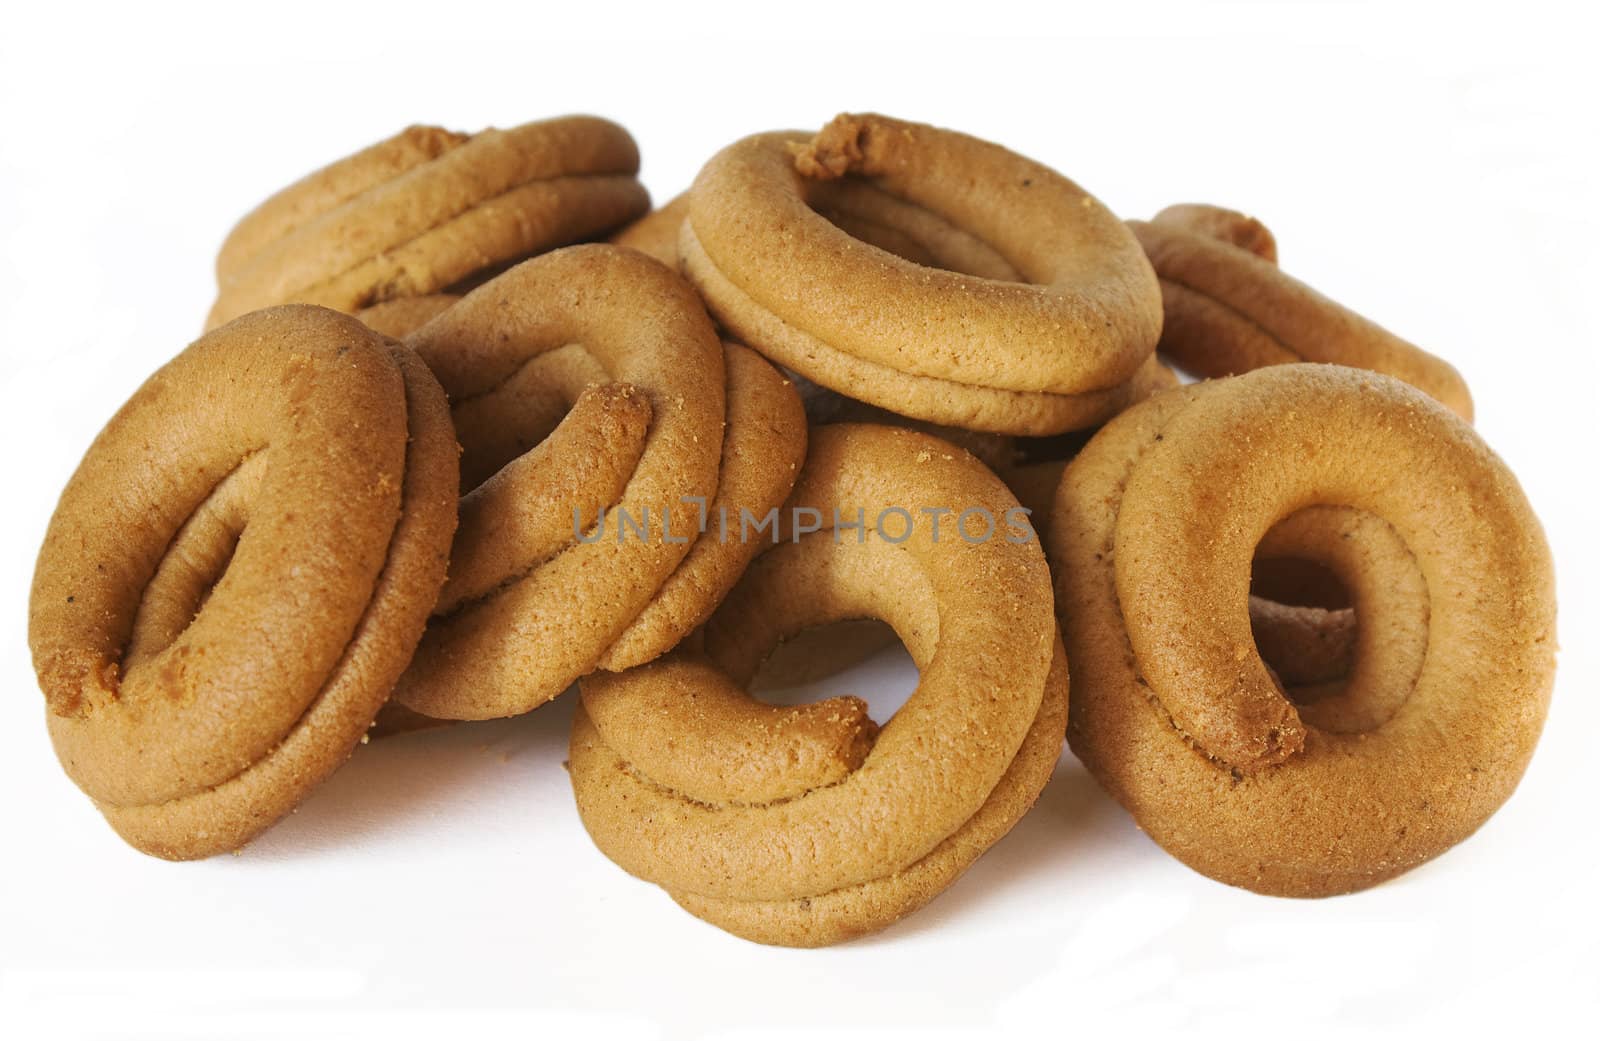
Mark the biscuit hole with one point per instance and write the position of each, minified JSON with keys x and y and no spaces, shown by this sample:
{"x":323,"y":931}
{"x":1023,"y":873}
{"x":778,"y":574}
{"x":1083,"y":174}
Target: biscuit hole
{"x":501,"y":424}
{"x":1340,"y":613}
{"x":175,"y":598}
{"x":859,"y":656}
{"x":1304,"y":626}
{"x":194,"y":565}
{"x":1297,"y":581}
{"x":906,"y":229}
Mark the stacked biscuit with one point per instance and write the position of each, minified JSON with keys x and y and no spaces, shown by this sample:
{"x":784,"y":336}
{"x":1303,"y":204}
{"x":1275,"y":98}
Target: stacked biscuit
{"x":443,"y":454}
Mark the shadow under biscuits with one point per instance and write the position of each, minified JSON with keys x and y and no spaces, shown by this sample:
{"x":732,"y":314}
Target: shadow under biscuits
{"x":392,"y":788}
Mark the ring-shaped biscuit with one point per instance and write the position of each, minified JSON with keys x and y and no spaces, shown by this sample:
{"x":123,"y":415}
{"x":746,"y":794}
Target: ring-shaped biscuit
{"x":1047,"y":310}
{"x":1174,"y":711}
{"x":1229,"y":309}
{"x":762,"y":448}
{"x":427,"y":209}
{"x":590,"y":380}
{"x":809,"y":825}
{"x":879,"y":219}
{"x":238,"y":572}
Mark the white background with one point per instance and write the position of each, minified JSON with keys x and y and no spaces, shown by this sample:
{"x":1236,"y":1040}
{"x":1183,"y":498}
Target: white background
{"x":1434,"y":168}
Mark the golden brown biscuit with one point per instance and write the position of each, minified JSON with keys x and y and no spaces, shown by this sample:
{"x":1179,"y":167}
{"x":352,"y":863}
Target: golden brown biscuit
{"x":428,"y":209}
{"x":874,"y":216}
{"x":1229,"y":309}
{"x":1174,"y":711}
{"x":583,"y":381}
{"x":238,"y":572}
{"x":763,"y":447}
{"x":870,"y":214}
{"x":809,"y":825}
{"x":1031,"y":313}
{"x":657,"y":234}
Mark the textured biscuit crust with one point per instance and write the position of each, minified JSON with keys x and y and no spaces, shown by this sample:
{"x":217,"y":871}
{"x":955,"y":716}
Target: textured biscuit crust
{"x":912,"y":233}
{"x":878,"y":218}
{"x":428,"y":209}
{"x":1027,"y":307}
{"x":763,"y":448}
{"x":238,"y":572}
{"x":1229,"y":309}
{"x":1174,"y":710}
{"x":809,"y":825}
{"x":590,"y":379}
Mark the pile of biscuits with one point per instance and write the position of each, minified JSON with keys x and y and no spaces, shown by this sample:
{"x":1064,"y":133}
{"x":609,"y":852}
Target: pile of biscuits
{"x":470,"y":426}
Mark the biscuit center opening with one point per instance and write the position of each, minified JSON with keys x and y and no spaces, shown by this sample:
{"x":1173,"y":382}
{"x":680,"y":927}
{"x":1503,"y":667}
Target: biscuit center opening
{"x":859,"y":656}
{"x":1339,"y":609}
{"x":1304,"y":625}
{"x":506,"y":422}
{"x":910,"y":231}
{"x":194,"y":565}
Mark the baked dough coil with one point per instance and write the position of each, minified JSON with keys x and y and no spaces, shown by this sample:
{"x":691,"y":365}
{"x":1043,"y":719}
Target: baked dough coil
{"x":1230,"y":309}
{"x":809,"y":825}
{"x":588,"y":383}
{"x":1174,"y":709}
{"x":1027,"y":307}
{"x":429,"y":209}
{"x":238,"y":572}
